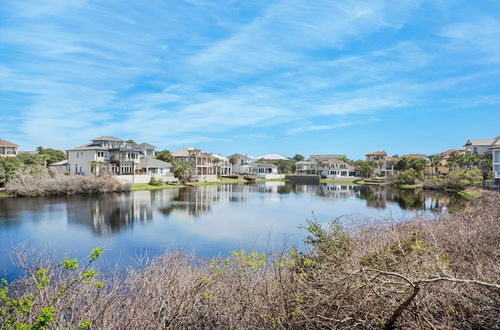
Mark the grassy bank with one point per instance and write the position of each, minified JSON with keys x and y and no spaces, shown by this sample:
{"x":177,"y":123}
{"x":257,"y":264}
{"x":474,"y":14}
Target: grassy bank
{"x":145,"y":186}
{"x":4,"y":194}
{"x":408,"y":275}
{"x":340,"y":181}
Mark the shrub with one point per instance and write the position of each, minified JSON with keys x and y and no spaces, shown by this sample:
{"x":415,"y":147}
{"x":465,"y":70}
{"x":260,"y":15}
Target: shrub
{"x":36,"y":181}
{"x":155,"y":182}
{"x":409,"y":176}
{"x":457,"y":180}
{"x":423,"y":273}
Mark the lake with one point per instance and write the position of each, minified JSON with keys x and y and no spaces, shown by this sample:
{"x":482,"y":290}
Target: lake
{"x":207,"y":220}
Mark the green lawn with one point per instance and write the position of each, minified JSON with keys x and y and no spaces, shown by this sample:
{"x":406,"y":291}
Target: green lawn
{"x":410,"y":186}
{"x":339,"y":181}
{"x":4,"y":194}
{"x":145,"y":186}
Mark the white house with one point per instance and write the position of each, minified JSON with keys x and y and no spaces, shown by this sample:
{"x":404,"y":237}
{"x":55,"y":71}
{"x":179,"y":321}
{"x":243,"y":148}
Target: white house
{"x":129,"y":163}
{"x":478,"y":146}
{"x":106,"y":154}
{"x":223,"y":165}
{"x":239,"y":167}
{"x":307,"y":167}
{"x":336,"y":168}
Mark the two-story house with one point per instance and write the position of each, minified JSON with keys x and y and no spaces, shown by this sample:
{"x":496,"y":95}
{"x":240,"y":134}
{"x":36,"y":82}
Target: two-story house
{"x":307,"y":167}
{"x":336,"y":168}
{"x":478,"y":146}
{"x":8,"y":149}
{"x":241,"y":160}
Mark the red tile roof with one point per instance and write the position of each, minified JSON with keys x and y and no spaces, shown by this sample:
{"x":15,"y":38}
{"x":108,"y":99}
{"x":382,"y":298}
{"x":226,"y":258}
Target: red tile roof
{"x":377,"y":153}
{"x":4,"y":143}
{"x":449,"y":151}
{"x":416,"y":156}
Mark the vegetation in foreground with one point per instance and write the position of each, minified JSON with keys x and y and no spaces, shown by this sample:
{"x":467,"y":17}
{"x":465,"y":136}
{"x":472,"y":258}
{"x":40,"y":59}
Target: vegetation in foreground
{"x":424,"y":273}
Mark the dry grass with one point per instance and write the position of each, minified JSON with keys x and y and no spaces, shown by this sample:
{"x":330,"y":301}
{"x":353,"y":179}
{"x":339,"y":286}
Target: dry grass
{"x":39,"y":182}
{"x":425,"y":273}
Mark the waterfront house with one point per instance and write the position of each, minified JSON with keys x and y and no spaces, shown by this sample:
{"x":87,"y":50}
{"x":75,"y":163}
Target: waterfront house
{"x":324,"y":158}
{"x":241,"y":160}
{"x":336,"y":168}
{"x":8,"y":149}
{"x":384,"y":164}
{"x":105,"y":154}
{"x":202,"y":162}
{"x":478,"y":146}
{"x":223,"y":165}
{"x":308,"y":167}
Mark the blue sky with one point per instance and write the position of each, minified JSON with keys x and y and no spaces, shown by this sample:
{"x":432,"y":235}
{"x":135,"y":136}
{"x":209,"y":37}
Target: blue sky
{"x":253,"y":76}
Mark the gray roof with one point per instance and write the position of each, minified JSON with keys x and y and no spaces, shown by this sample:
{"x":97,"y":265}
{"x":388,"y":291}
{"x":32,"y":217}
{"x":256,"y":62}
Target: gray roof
{"x":150,"y":162}
{"x":89,"y":146}
{"x":479,"y":142}
{"x":145,"y":145}
{"x":496,"y":143}
{"x":108,"y":138}
{"x":62,"y":162}
{"x":240,"y":156}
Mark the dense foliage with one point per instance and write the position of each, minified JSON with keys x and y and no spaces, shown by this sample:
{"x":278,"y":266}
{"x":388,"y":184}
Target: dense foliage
{"x":50,"y":155}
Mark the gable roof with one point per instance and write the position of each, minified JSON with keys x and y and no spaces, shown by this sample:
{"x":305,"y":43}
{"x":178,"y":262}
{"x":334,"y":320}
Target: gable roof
{"x":145,"y":145}
{"x":62,"y":162}
{"x":272,"y":157}
{"x":377,"y":153}
{"x":153,"y":162}
{"x":5,"y":143}
{"x":496,"y":143}
{"x":241,"y":156}
{"x":449,"y":151}
{"x":479,"y":142}
{"x":415,"y":156}
{"x":108,"y":138}
{"x":184,"y":152}
{"x":89,"y":146}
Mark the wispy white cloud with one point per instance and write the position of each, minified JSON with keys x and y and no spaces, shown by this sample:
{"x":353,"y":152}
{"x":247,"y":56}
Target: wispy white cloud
{"x":198,"y":71}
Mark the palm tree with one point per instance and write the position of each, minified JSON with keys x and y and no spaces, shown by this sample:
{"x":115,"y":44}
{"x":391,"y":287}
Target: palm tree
{"x":435,"y":161}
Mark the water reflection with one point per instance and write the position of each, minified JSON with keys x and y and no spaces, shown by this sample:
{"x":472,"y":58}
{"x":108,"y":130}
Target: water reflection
{"x":209,"y":220}
{"x":112,"y":213}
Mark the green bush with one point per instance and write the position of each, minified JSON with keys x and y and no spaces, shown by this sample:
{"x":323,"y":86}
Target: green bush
{"x":155,"y":182}
{"x":409,"y":176}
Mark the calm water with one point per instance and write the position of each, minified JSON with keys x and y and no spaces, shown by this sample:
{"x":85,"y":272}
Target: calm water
{"x":210,"y":220}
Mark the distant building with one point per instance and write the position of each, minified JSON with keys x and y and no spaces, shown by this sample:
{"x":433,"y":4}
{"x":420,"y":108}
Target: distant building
{"x":8,"y":149}
{"x":241,"y":161}
{"x":336,"y":168}
{"x":114,"y":156}
{"x":384,"y":164}
{"x":223,"y":165}
{"x":272,"y":157}
{"x":59,"y":167}
{"x":324,"y":158}
{"x":478,"y":146}
{"x":415,"y":156}
{"x":205,"y":169}
{"x":308,"y":167}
